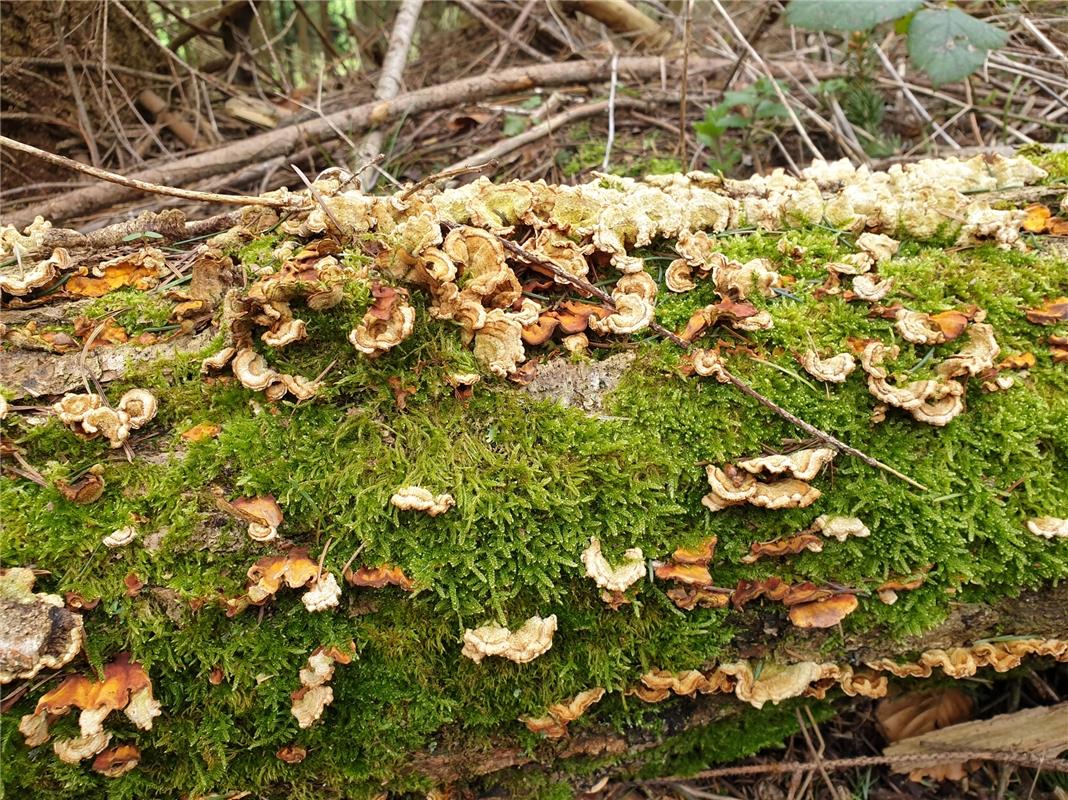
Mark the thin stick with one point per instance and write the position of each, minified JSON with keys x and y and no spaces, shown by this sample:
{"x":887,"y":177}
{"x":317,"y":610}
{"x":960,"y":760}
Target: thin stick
{"x":133,"y":183}
{"x":389,"y":82}
{"x":611,"y":113}
{"x":352,"y":558}
{"x":493,"y":26}
{"x":686,"y":38}
{"x":318,"y":197}
{"x":322,"y":558}
{"x":918,"y":759}
{"x":767,"y":72}
{"x":734,"y":380}
{"x":447,"y":174}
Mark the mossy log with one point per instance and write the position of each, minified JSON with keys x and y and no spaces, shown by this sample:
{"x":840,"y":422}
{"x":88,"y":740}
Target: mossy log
{"x":610,"y":442}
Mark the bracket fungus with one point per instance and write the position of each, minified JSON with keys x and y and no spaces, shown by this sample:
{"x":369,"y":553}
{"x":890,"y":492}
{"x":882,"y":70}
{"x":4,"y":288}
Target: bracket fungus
{"x":801,"y":464}
{"x":140,"y":406}
{"x":964,"y":662}
{"x":125,"y":687}
{"x":378,"y":577}
{"x":262,"y":513}
{"x":533,"y":639}
{"x":840,"y":528}
{"x":323,"y":593}
{"x":388,"y":322}
{"x":120,"y":537}
{"x":416,"y":498}
{"x":1048,"y":527}
{"x":788,"y":546}
{"x":920,"y":328}
{"x":286,"y":333}
{"x":878,"y":246}
{"x":825,"y":612}
{"x":554,"y":724}
{"x":870,"y":288}
{"x":38,"y":276}
{"x":36,"y":631}
{"x":679,"y":276}
{"x":834,"y":369}
{"x":76,"y":750}
{"x":609,"y":578}
{"x":313,"y":696}
{"x":250,"y":368}
{"x":117,"y":761}
{"x":294,"y":569}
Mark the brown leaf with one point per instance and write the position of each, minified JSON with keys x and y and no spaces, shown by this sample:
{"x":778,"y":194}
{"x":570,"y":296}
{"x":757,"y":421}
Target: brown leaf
{"x":87,"y":489}
{"x":60,"y":342}
{"x":1058,"y":226}
{"x":292,"y":753}
{"x":134,"y":584}
{"x":1036,"y":218}
{"x":139,"y":270}
{"x":216,"y":676}
{"x":791,"y":545}
{"x":951,"y":323}
{"x":401,"y":393}
{"x":78,"y":603}
{"x":916,"y":713}
{"x":1050,"y":313}
{"x":201,"y":431}
{"x":377,"y":577}
{"x":1018,"y":361}
{"x":824,"y":613}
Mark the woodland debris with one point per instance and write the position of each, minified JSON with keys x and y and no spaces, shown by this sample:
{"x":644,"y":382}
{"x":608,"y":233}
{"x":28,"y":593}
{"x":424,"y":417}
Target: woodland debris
{"x":1048,"y":527}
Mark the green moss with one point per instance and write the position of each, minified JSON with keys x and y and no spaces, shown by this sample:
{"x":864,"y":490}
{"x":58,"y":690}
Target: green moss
{"x":533,"y":482}
{"x":138,"y":311}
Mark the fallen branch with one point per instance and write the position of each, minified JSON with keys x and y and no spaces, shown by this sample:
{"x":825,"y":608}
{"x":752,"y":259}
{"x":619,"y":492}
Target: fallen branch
{"x":140,"y":185}
{"x":623,"y":18}
{"x":272,"y":144}
{"x":734,"y":380}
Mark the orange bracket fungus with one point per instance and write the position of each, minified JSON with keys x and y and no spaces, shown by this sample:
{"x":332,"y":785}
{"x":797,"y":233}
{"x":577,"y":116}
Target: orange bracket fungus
{"x":554,"y":724}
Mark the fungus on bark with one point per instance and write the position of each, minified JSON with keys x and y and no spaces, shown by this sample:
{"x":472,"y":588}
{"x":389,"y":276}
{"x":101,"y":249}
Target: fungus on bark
{"x":36,"y":631}
{"x":416,"y":498}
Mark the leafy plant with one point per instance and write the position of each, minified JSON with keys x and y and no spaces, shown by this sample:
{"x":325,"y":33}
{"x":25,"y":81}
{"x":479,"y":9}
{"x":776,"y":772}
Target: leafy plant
{"x":946,"y":43}
{"x":749,"y":110}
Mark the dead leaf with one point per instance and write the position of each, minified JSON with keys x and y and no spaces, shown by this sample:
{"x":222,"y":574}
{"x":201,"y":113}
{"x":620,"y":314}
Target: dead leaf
{"x":134,"y":584}
{"x":921,"y":712}
{"x":216,"y":676}
{"x":201,"y":431}
{"x":78,"y":603}
{"x":401,"y":393}
{"x":140,"y":270}
{"x":951,"y":323}
{"x":824,"y":613}
{"x":1036,"y":218}
{"x":1018,"y":361}
{"x":87,"y":489}
{"x":60,"y":342}
{"x":1050,"y":313}
{"x":292,"y":753}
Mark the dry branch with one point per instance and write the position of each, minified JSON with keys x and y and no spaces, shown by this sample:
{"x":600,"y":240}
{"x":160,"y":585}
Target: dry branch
{"x":273,"y":144}
{"x":389,"y":83}
{"x":623,"y":18}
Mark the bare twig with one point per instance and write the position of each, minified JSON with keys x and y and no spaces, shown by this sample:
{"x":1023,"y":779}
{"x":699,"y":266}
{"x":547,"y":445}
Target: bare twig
{"x":611,"y":113}
{"x":687,"y":37}
{"x":389,"y":82}
{"x":447,"y":174}
{"x":318,"y":198}
{"x":473,"y":10}
{"x":143,"y":186}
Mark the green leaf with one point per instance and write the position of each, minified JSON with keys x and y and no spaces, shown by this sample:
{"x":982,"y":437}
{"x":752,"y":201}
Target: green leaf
{"x":950,"y":45}
{"x":846,"y":15}
{"x":514,"y":124}
{"x":132,"y":237}
{"x":151,"y":235}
